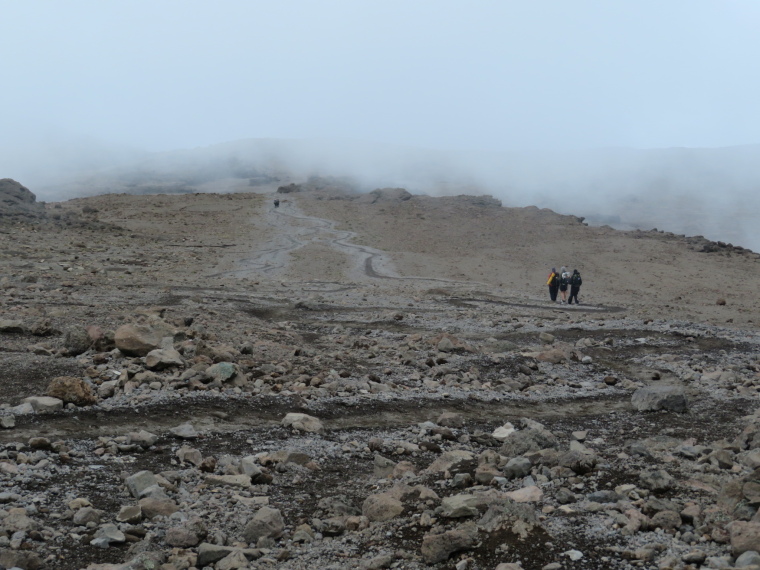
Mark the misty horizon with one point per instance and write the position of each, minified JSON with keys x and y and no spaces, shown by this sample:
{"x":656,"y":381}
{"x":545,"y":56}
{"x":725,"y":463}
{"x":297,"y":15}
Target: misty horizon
{"x":710,"y":192}
{"x":636,"y":113}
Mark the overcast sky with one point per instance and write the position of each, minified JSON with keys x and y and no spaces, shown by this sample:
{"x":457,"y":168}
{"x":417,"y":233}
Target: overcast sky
{"x":450,"y":74}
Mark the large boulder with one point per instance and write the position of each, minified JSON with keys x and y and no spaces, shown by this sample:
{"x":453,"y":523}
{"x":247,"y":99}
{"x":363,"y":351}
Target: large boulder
{"x":140,"y":339}
{"x":17,"y":200}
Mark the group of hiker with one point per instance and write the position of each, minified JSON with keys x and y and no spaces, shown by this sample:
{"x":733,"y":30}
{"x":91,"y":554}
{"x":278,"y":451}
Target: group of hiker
{"x":561,"y":282}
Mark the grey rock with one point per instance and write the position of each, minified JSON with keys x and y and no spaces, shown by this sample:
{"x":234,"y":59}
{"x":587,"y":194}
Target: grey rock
{"x":110,"y":533}
{"x":186,"y":535}
{"x":184,"y":431}
{"x":44,"y":403}
{"x":381,"y":507}
{"x":603,"y":497}
{"x":657,"y":480}
{"x":266,"y":523}
{"x":142,"y":438}
{"x":546,"y":338}
{"x":188,"y":454}
{"x":653,"y":398}
{"x":458,"y":506}
{"x":438,"y":547}
{"x":517,"y":467}
{"x":154,"y":507}
{"x":25,"y":559}
{"x":24,"y":409}
{"x":163,"y":358}
{"x":130,"y":514}
{"x":222,"y":371}
{"x":85,"y":515}
{"x":339,"y":505}
{"x":565,"y":496}
{"x":12,"y":326}
{"x":527,"y":440}
{"x":303,"y":422}
{"x":454,"y":461}
{"x":749,"y":558}
{"x":383,"y":467}
{"x":233,"y":561}
{"x":76,"y":341}
{"x":210,"y":553}
{"x":140,"y":339}
{"x":140,"y":482}
{"x":450,"y":419}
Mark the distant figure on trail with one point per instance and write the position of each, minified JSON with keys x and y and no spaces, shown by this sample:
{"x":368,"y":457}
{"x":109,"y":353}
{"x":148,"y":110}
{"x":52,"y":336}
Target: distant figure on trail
{"x":553,"y":283}
{"x":575,"y":287}
{"x":564,"y":281}
{"x":276,"y":202}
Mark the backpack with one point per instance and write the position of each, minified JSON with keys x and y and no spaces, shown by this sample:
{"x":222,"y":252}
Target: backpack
{"x":553,"y":280}
{"x":576,"y":280}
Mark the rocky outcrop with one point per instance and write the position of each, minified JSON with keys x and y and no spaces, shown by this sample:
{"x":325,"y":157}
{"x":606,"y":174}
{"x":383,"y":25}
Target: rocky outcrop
{"x":17,"y":200}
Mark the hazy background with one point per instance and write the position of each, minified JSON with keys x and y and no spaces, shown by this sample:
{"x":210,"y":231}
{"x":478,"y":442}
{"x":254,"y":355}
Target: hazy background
{"x":618,"y":111}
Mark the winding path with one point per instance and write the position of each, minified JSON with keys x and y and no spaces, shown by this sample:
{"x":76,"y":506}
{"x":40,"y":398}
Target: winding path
{"x":291,"y":230}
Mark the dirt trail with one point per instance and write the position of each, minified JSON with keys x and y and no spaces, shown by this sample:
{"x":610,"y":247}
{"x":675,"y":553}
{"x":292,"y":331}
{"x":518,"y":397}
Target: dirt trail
{"x":218,"y":414}
{"x":291,"y":230}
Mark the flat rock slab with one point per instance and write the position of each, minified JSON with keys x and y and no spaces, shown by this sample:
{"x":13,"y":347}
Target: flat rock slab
{"x":654,"y":398}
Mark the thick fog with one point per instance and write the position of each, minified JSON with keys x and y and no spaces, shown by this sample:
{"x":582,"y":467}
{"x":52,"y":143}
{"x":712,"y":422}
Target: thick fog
{"x":635,"y":114}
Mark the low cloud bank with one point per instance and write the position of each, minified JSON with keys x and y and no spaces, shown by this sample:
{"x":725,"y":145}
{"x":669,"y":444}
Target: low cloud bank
{"x":710,"y":192}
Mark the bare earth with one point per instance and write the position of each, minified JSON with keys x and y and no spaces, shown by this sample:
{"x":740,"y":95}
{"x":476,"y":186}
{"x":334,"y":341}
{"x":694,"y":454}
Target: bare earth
{"x":375,"y":314}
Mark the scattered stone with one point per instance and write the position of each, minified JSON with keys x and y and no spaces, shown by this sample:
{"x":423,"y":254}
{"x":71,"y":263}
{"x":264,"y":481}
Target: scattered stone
{"x":266,"y":523}
{"x":382,"y":507}
{"x":438,"y":547}
{"x":130,"y":514}
{"x":142,"y":438}
{"x":163,"y":358}
{"x":184,"y":431}
{"x":502,"y":433}
{"x":188,"y":454}
{"x":76,"y":341}
{"x":303,"y":422}
{"x":140,"y":482}
{"x":152,"y":507}
{"x":41,"y":404}
{"x":658,"y":480}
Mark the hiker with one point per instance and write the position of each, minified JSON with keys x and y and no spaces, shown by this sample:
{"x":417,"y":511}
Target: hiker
{"x":276,"y":203}
{"x":564,"y":281}
{"x":575,"y":287}
{"x":553,"y":283}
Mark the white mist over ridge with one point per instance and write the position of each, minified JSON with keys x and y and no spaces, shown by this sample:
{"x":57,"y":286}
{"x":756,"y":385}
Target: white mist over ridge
{"x":710,"y":192}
